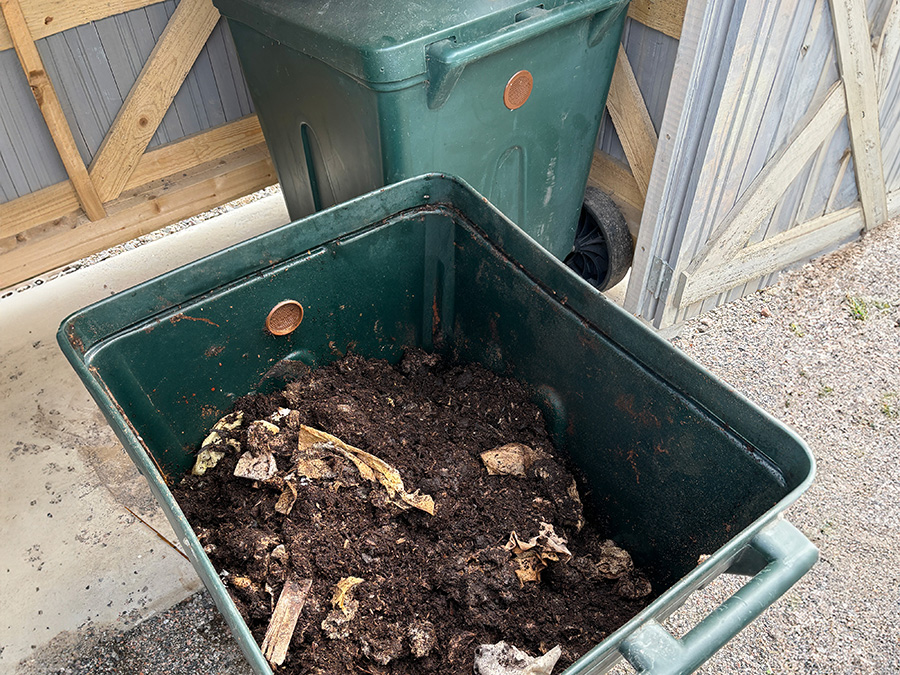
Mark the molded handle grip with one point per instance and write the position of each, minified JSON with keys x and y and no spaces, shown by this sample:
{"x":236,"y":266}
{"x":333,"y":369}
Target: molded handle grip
{"x":788,"y":555}
{"x":446,"y":59}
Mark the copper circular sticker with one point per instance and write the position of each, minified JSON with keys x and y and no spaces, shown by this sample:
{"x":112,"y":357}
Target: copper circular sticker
{"x":518,"y":89}
{"x":284,"y":317}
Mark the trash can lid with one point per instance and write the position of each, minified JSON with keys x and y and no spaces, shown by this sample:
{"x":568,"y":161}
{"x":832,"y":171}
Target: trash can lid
{"x":379,"y":41}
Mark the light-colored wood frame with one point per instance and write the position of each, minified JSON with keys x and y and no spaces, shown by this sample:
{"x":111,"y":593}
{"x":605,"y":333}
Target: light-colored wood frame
{"x":47,"y":228}
{"x":712,"y":271}
{"x":60,"y":201}
{"x":50,"y":108}
{"x":857,"y":65}
{"x":49,"y":17}
{"x":137,"y":213}
{"x":632,"y":121}
{"x":120,"y":192}
{"x":39,"y":231}
{"x":152,"y":94}
{"x":718,"y":252}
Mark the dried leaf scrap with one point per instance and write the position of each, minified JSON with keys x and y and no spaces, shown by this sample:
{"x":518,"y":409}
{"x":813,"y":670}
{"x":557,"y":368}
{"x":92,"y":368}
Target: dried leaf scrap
{"x":371,"y":468}
{"x":533,"y":555}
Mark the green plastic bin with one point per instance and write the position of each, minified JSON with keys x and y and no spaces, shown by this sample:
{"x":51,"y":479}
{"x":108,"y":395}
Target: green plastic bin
{"x":680,"y":464}
{"x":358,"y":94}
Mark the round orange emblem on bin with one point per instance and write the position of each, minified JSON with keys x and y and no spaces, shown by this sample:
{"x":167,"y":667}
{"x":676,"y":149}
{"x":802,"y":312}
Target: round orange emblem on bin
{"x":284,"y":317}
{"x":518,"y":89}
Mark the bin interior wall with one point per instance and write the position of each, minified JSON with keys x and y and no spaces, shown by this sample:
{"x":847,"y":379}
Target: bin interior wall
{"x":532,"y":163}
{"x":673,"y":481}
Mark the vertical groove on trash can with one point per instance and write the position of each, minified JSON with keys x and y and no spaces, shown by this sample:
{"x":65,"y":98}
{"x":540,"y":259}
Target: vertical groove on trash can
{"x":311,"y":167}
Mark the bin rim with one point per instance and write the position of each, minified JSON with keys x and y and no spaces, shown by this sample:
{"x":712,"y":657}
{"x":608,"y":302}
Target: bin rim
{"x":443,"y":194}
{"x":386,"y":43}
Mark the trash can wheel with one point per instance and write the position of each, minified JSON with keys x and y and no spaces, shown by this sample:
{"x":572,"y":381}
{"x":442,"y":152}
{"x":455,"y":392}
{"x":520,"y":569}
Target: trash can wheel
{"x":603,"y":248}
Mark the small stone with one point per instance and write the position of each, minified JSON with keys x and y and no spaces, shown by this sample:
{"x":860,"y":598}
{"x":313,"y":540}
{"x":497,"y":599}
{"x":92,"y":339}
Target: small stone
{"x":512,"y":459}
{"x":421,"y":638}
{"x":505,"y":659}
{"x":256,"y":467}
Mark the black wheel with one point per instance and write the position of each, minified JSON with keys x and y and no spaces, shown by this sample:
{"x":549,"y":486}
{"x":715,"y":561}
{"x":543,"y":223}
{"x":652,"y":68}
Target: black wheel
{"x":603,"y":247}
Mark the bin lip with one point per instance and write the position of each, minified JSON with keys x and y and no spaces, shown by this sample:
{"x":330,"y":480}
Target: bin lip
{"x":379,"y":42}
{"x":439,"y":193}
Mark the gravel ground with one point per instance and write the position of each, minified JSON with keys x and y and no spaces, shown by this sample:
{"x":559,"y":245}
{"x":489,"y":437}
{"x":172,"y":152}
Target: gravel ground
{"x":821,"y":351}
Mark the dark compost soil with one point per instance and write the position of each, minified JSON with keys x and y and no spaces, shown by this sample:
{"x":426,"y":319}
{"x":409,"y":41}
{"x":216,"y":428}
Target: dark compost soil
{"x":434,"y":587}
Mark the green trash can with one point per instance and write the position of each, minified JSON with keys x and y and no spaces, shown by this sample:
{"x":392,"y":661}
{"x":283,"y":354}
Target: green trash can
{"x":506,"y":94}
{"x":680,"y":464}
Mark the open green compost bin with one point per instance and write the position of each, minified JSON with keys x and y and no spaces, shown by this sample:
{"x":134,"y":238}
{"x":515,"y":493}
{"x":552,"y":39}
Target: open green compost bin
{"x":507,"y":94}
{"x":680,"y":464}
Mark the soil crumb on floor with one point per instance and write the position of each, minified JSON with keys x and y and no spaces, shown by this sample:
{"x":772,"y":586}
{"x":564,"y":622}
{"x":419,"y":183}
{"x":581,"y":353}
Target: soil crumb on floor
{"x":413,"y":513}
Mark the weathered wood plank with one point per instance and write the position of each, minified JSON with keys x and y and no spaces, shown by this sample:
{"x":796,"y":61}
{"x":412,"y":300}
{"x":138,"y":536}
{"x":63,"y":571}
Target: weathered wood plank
{"x":37,"y":207}
{"x":48,"y":17}
{"x":204,"y":188}
{"x":652,"y":57}
{"x":832,"y":195}
{"x":149,"y":99}
{"x":50,"y":108}
{"x":752,"y":71}
{"x":888,"y":46}
{"x":745,"y":68}
{"x":857,"y":67}
{"x":284,"y":620}
{"x":666,"y":16}
{"x":60,"y":200}
{"x":758,"y":200}
{"x":614,"y":178}
{"x":771,"y":255}
{"x":893,"y":201}
{"x":194,"y":150}
{"x":632,"y":121}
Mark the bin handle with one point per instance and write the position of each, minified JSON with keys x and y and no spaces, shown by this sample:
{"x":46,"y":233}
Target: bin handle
{"x":787,"y":555}
{"x":445,"y":60}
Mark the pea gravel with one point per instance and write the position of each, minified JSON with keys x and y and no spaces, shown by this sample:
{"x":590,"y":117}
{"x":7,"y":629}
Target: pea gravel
{"x":819,"y":350}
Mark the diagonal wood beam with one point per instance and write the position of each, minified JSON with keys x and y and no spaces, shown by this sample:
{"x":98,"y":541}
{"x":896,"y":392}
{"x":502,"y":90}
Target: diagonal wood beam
{"x":771,"y":255}
{"x":152,"y":94}
{"x":763,"y":194}
{"x":857,"y":68}
{"x":48,"y":103}
{"x":631,"y":119}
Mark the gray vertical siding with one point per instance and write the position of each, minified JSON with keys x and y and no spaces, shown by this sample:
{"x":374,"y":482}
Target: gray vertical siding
{"x":93,"y":67}
{"x":28,"y":158}
{"x":890,"y":129}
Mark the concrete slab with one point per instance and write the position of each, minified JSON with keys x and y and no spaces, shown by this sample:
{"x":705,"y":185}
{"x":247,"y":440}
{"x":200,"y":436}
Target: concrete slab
{"x":73,"y":557}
